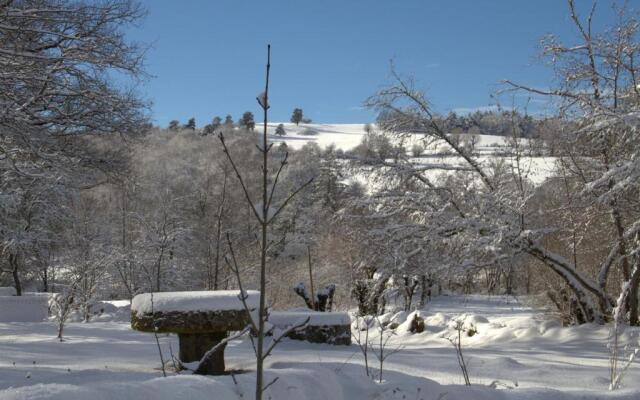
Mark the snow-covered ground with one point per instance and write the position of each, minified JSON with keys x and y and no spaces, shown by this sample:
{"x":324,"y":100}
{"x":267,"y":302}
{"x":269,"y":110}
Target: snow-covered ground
{"x":521,"y":352}
{"x":343,"y":136}
{"x":489,"y":149}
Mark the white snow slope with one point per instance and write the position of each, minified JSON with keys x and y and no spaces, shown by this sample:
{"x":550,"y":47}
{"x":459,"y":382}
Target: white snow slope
{"x":348,"y":136}
{"x":517,"y":353}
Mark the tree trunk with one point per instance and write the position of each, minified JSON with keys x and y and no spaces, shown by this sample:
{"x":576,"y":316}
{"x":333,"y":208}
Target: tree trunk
{"x":633,"y":300}
{"x":263,"y":243}
{"x":13,"y":262}
{"x":216,"y":271}
{"x":423,"y":290}
{"x":579,"y":285}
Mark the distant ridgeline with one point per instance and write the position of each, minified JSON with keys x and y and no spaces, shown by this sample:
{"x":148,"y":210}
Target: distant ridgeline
{"x":498,"y":122}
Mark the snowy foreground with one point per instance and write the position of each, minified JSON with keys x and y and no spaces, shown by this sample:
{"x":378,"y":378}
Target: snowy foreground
{"x":517,"y":353}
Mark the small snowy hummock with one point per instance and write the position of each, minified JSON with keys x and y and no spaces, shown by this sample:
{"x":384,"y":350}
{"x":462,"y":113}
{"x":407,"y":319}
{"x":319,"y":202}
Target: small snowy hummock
{"x":7,"y":291}
{"x":218,"y":300}
{"x":285,"y":319}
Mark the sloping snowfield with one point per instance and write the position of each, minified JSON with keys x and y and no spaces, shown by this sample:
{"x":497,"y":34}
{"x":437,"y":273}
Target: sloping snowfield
{"x":347,"y":136}
{"x":518,"y":353}
{"x":343,"y":136}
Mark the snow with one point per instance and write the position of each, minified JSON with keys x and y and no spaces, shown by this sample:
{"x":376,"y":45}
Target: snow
{"x":489,"y":148}
{"x":284,"y":319}
{"x":343,"y":136}
{"x":7,"y":291}
{"x":219,"y":300}
{"x":517,"y":353}
{"x":28,"y":308}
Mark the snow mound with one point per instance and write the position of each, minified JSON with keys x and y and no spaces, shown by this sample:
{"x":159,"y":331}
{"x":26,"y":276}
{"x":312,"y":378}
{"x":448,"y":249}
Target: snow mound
{"x":193,"y":301}
{"x":436,"y":320}
{"x":405,"y":327}
{"x":7,"y":291}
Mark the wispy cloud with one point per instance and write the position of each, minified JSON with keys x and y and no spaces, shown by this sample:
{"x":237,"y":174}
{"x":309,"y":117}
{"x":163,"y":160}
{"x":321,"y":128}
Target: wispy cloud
{"x":356,"y":108}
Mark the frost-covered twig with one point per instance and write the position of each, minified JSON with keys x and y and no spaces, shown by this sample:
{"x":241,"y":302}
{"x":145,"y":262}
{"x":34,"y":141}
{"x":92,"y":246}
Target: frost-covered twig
{"x":287,"y":331}
{"x":457,"y":345}
{"x":617,"y":371}
{"x":382,"y":352}
{"x":236,"y":270}
{"x":363,"y":344}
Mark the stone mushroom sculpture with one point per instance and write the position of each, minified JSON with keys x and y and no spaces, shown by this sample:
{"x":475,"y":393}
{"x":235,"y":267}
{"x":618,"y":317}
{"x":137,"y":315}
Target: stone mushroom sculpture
{"x":201,"y":319}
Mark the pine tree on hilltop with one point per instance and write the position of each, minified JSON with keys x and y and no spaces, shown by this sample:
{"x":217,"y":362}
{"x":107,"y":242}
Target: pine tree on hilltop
{"x":247,"y":121}
{"x":228,"y":121}
{"x":216,"y":122}
{"x":191,"y":124}
{"x":297,"y":116}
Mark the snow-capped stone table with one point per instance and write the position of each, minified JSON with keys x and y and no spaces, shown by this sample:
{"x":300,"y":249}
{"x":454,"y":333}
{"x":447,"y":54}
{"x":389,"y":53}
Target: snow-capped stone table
{"x":323,"y":327}
{"x":201,"y":319}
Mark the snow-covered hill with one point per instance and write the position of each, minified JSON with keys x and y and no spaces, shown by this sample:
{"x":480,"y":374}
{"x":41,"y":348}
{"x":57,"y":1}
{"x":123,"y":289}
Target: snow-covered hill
{"x":436,"y":158}
{"x":343,"y":136}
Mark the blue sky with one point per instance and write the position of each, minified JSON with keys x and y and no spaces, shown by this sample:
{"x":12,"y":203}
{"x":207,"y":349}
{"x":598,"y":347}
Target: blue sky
{"x":207,"y":57}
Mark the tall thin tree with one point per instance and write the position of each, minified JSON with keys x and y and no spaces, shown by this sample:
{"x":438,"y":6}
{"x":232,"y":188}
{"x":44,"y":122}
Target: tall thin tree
{"x":264,"y":220}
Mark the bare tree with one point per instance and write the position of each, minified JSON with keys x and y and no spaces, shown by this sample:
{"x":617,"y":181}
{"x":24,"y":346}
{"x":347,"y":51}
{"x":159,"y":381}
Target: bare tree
{"x":265,"y":216}
{"x":381,"y":349}
{"x":60,"y":106}
{"x":456,"y":342}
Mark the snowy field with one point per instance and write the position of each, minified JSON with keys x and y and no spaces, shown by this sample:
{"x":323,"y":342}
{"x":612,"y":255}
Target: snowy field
{"x":518,"y":353}
{"x":346,"y":137}
{"x":343,"y":136}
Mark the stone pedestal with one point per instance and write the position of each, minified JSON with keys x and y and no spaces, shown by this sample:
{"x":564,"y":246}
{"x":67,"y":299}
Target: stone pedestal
{"x":194,"y":346}
{"x":201,"y":320}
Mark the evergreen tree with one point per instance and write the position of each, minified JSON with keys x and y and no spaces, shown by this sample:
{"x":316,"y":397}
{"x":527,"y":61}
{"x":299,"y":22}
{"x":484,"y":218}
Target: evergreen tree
{"x":247,"y":121}
{"x":191,"y":124}
{"x":174,"y":125}
{"x":296,"y":117}
{"x":211,"y":128}
{"x":208,"y":129}
{"x":217,"y":121}
{"x":280,"y":130}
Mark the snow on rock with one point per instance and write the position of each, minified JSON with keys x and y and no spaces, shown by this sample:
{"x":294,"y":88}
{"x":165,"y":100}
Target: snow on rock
{"x":406,"y":326}
{"x":284,"y":319}
{"x":436,"y":320}
{"x":218,"y":300}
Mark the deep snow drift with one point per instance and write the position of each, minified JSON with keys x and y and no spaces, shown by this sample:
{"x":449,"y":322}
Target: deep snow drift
{"x":517,"y":353}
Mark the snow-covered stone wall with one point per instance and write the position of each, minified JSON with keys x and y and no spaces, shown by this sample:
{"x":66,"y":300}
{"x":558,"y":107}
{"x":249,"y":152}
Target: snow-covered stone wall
{"x":32,"y":307}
